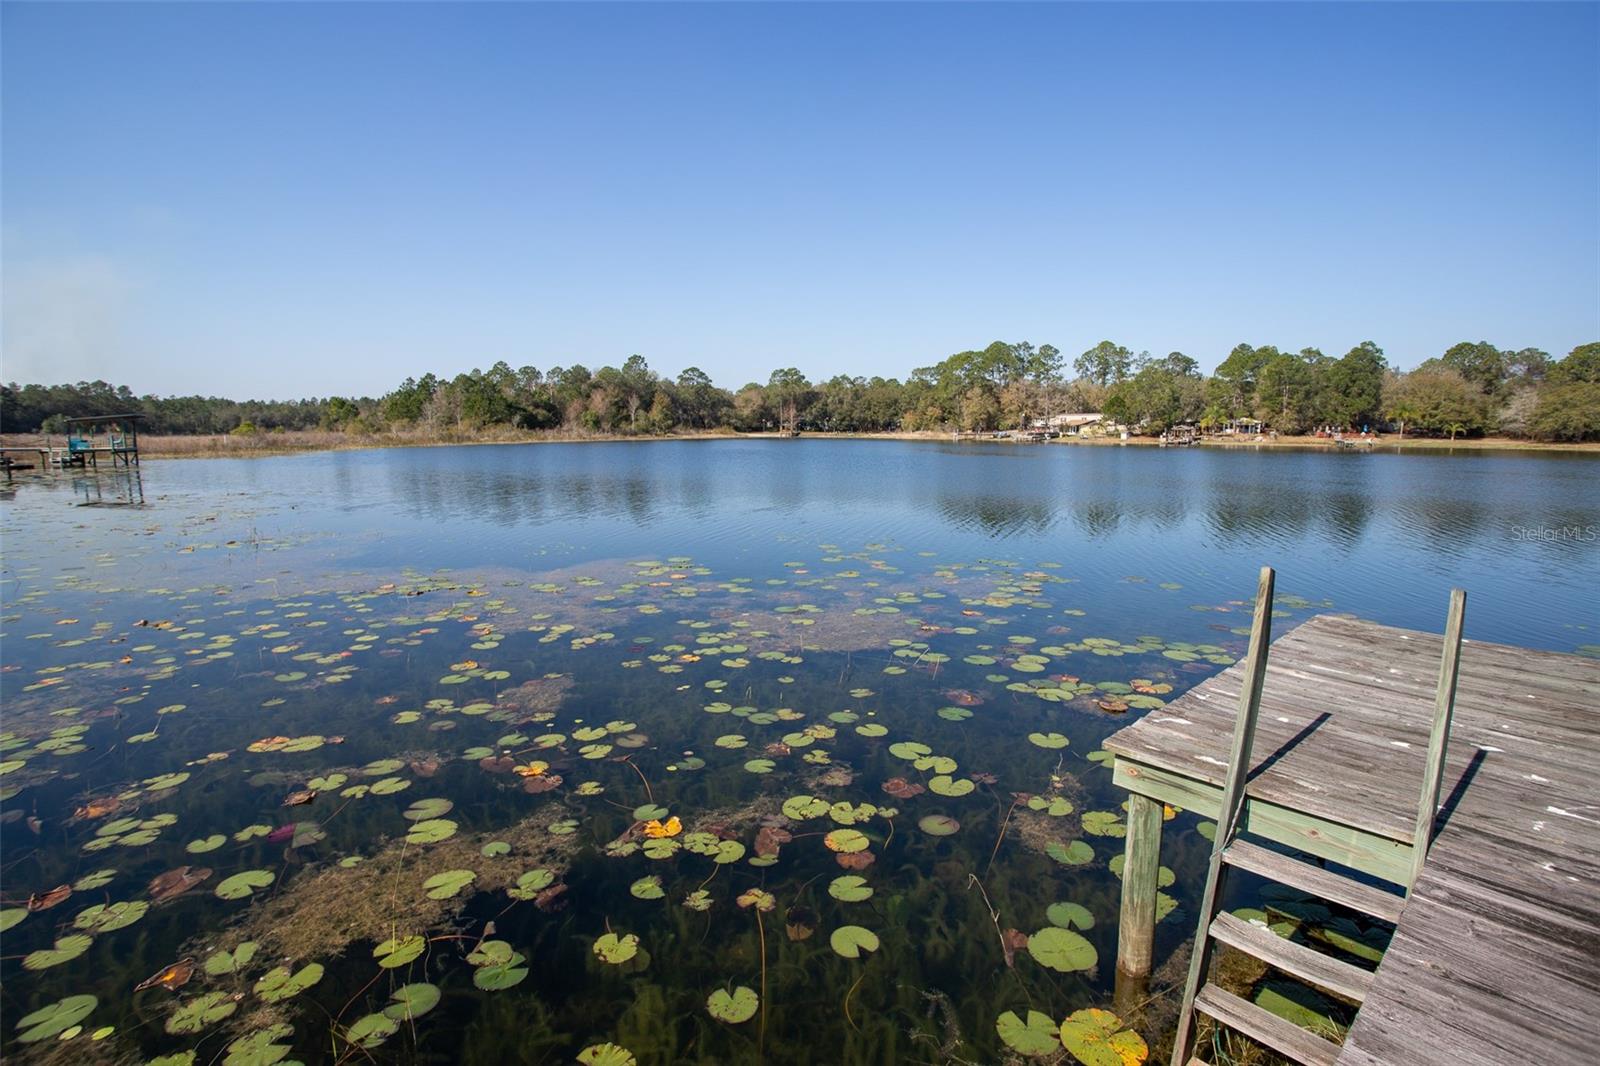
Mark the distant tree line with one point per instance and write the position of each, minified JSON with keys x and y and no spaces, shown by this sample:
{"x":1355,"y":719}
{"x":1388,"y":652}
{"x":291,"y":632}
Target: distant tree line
{"x":1470,"y":390}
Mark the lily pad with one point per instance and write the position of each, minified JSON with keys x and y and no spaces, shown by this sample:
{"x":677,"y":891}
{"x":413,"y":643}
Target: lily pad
{"x":733,"y":1007}
{"x":531,"y":884}
{"x":1051,"y":741}
{"x":244,"y":884}
{"x":1076,"y":853}
{"x":852,"y":940}
{"x":412,"y":1001}
{"x":1069,"y":916}
{"x":938,"y":825}
{"x":54,"y":1019}
{"x":223,"y":962}
{"x":278,"y":983}
{"x":846,"y":840}
{"x":259,"y":1048}
{"x":1104,"y":824}
{"x":851,"y":888}
{"x":66,"y":949}
{"x":1096,"y":1038}
{"x":397,"y":951}
{"x":1062,"y":949}
{"x":104,"y":917}
{"x":371,"y":1030}
{"x":606,"y":1055}
{"x":431,"y":831}
{"x":1035,"y":1038}
{"x":448,"y":884}
{"x":615,"y":949}
{"x":201,"y":1012}
{"x":647,"y":888}
{"x":945,"y":785}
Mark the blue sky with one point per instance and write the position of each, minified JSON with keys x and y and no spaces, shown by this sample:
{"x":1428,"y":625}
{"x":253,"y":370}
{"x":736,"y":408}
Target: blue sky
{"x":306,"y":199}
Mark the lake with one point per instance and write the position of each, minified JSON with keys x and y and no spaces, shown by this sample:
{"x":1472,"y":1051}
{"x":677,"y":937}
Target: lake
{"x":701,"y":751}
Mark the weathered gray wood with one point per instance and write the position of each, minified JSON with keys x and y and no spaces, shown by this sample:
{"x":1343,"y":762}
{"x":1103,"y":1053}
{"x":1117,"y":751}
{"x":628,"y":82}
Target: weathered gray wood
{"x":1496,"y":956}
{"x":1264,"y":1027}
{"x":1324,"y":884}
{"x":1233,"y":795}
{"x":1141,"y":867}
{"x":1439,"y":738}
{"x":1356,"y":848}
{"x":1262,"y":943}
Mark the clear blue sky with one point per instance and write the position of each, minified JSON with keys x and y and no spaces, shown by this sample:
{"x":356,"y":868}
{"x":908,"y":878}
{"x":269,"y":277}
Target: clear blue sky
{"x":305,"y":199}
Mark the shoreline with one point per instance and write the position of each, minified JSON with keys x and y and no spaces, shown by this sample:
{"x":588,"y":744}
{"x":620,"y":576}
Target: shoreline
{"x":305,"y":441}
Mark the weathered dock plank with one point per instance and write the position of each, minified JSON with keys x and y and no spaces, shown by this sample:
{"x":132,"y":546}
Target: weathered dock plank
{"x":1496,"y":955}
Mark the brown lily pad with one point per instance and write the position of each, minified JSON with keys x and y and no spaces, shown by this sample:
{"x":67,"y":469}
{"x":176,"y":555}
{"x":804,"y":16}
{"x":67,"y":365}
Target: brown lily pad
{"x":175,"y":883}
{"x":173,"y":977}
{"x":900,"y":788}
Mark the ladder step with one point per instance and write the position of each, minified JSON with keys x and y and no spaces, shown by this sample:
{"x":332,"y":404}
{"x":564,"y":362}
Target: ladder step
{"x":1324,"y":971}
{"x":1314,"y":879}
{"x":1264,"y":1027}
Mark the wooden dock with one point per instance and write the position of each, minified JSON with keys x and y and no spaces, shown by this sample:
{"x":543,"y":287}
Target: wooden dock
{"x":1496,"y":953}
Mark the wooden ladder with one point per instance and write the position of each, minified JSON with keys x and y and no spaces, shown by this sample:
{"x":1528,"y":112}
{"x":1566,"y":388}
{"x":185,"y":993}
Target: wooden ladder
{"x":1230,"y":852}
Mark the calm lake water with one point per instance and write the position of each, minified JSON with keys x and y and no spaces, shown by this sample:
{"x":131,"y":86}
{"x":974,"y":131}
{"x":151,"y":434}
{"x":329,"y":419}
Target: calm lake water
{"x":710,"y":751}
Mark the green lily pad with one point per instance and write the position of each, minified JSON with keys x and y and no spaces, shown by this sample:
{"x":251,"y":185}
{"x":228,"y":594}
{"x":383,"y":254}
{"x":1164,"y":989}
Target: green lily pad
{"x":1051,"y":741}
{"x":938,"y":825}
{"x":607,"y":1055}
{"x":278,"y":983}
{"x":424,"y":809}
{"x":945,"y":785}
{"x":66,"y":949}
{"x":1069,"y":916}
{"x":371,"y":1030}
{"x":615,"y":949}
{"x":851,"y":940}
{"x":205,"y":844}
{"x":647,"y":888}
{"x":1035,"y":1038}
{"x":224,"y":962}
{"x":260,"y":1048}
{"x":54,"y":1019}
{"x":851,"y":888}
{"x":412,"y":1001}
{"x":197,"y":1014}
{"x":801,"y":808}
{"x":103,"y":917}
{"x":733,"y":1007}
{"x":431,"y":831}
{"x":1104,"y":824}
{"x":847,"y":841}
{"x":531,"y":884}
{"x":89,"y":881}
{"x":397,"y":951}
{"x":1076,"y":853}
{"x":1062,"y":949}
{"x":448,"y":884}
{"x":244,"y":884}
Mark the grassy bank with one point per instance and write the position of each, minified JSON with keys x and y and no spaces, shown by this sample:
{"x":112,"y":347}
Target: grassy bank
{"x":261,"y":444}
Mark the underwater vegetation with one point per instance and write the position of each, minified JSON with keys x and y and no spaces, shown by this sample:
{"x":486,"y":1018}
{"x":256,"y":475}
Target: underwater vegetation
{"x":848,"y":808}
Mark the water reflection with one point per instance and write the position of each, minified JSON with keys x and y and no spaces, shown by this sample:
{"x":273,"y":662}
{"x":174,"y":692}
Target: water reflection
{"x":1366,"y":531}
{"x":121,"y":488}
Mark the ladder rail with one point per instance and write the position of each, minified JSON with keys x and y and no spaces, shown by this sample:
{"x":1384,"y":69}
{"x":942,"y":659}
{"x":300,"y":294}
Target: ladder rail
{"x":1232,"y":802}
{"x":1444,"y":704}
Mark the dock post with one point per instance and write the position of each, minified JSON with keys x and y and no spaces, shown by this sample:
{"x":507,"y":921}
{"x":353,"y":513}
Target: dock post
{"x":1141,"y":865}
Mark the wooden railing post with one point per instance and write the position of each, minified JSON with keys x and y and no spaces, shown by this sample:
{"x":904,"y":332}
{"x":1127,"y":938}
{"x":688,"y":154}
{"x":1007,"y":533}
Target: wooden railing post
{"x":1444,"y":704}
{"x":1233,"y":795}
